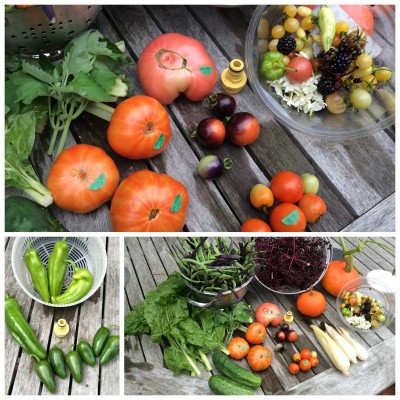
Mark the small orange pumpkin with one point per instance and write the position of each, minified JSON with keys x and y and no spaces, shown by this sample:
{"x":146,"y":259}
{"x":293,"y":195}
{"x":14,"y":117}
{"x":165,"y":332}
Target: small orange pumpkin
{"x":311,"y":303}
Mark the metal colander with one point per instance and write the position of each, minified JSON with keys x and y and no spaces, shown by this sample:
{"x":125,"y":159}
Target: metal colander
{"x":30,"y":31}
{"x":87,"y":253}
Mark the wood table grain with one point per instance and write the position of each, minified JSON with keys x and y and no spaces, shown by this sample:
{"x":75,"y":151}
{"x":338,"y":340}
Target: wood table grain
{"x":147,"y":263}
{"x":356,"y":177}
{"x":102,"y":308}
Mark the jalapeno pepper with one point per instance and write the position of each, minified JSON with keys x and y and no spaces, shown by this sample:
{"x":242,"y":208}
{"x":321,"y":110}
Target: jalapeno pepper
{"x":100,"y":339}
{"x":111,"y":349}
{"x":45,"y":373}
{"x":80,"y":285}
{"x":272,"y":67}
{"x":38,"y":273}
{"x":74,"y":363}
{"x":20,"y":330}
{"x":57,"y":267}
{"x":57,"y":361}
{"x":86,"y":352}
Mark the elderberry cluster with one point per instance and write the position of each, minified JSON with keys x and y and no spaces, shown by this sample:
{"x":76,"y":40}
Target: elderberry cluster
{"x":335,"y":64}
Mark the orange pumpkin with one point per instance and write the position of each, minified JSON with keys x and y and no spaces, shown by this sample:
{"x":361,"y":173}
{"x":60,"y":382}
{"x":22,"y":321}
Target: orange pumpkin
{"x":259,"y":358}
{"x":238,"y":348}
{"x":139,"y":128}
{"x":82,"y":178}
{"x":336,"y":276}
{"x":147,"y":201}
{"x":311,"y":303}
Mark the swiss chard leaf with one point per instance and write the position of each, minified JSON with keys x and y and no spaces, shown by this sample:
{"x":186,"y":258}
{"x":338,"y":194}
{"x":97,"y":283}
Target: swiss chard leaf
{"x":27,"y":88}
{"x":135,"y":323}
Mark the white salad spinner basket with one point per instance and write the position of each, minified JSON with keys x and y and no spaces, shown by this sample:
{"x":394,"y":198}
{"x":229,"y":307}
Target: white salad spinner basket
{"x":87,"y":253}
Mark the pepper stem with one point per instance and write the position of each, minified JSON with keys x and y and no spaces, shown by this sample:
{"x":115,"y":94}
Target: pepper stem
{"x":111,"y":325}
{"x":76,"y":268}
{"x":228,"y":164}
{"x":37,"y":359}
{"x":70,"y":347}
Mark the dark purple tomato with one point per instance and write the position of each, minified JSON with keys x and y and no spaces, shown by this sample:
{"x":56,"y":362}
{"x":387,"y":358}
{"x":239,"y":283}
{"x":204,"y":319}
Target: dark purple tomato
{"x":211,"y":167}
{"x":280,"y":336}
{"x":242,"y":129}
{"x":210,"y":132}
{"x":222,"y":104}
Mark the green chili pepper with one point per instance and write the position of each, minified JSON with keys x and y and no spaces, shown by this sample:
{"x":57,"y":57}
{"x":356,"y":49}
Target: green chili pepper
{"x":74,"y":363}
{"x":86,"y":352}
{"x":80,"y":285}
{"x":57,"y":361}
{"x":45,"y":373}
{"x":111,"y":349}
{"x":57,"y":267}
{"x":20,"y":330}
{"x":100,"y":339}
{"x":272,"y":67}
{"x":38,"y":273}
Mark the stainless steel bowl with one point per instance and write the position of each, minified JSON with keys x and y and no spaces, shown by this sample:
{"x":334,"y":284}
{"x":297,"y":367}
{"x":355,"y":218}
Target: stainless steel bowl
{"x":29,"y":31}
{"x":211,"y":299}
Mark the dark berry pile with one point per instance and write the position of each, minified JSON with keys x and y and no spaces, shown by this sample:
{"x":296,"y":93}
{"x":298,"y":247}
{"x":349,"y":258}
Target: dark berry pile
{"x":286,"y":45}
{"x":335,"y":64}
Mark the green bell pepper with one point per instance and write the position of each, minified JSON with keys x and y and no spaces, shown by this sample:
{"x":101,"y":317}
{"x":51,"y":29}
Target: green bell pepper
{"x":45,"y":373}
{"x":57,"y":267}
{"x":38,"y":273}
{"x":20,"y":329}
{"x":82,"y":281}
{"x":272,"y":66}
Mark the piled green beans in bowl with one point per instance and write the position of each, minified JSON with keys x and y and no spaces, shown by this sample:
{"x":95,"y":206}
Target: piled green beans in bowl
{"x":217,"y":270}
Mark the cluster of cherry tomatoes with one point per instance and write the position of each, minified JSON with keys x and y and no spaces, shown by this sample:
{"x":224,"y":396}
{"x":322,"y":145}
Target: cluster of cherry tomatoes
{"x":240,"y":128}
{"x":258,"y":356}
{"x":303,"y":361}
{"x":298,"y":205}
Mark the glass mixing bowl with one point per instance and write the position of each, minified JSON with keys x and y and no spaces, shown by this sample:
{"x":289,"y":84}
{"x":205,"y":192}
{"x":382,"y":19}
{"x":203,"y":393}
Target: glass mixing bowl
{"x":349,"y":125}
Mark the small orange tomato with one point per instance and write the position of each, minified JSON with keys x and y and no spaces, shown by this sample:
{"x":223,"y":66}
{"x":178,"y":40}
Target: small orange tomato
{"x":352,"y":301}
{"x":259,"y":358}
{"x":314,"y":362}
{"x":305,"y":354}
{"x":255,"y":225}
{"x":256,"y":333}
{"x":238,"y":348}
{"x":305,"y":365}
{"x":296,"y":357}
{"x":294,"y":368}
{"x":261,"y":197}
{"x":313,"y":207}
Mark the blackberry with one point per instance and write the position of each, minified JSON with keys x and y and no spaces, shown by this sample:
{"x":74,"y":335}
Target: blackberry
{"x":286,"y":44}
{"x":326,"y":86}
{"x":341,"y":62}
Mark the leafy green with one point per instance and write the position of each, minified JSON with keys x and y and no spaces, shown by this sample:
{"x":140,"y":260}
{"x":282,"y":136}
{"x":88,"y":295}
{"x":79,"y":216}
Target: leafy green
{"x":87,"y":73}
{"x":190,"y":332}
{"x":19,"y":173}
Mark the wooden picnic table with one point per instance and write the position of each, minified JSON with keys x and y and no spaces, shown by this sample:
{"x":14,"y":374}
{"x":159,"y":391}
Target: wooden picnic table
{"x":147,"y":263}
{"x":356,"y":176}
{"x":84,"y":319}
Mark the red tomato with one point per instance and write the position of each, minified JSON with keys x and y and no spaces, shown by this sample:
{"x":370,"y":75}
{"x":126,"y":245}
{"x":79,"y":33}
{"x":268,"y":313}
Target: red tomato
{"x":294,"y":368}
{"x":259,"y":358}
{"x":139,"y":128}
{"x":302,"y":70}
{"x":269,"y":313}
{"x":362,"y":16}
{"x":313,"y":207}
{"x":238,"y":348}
{"x":305,"y":354}
{"x":287,"y":187}
{"x":82,"y":178}
{"x":256,"y":333}
{"x":287,"y":217}
{"x":149,"y":202}
{"x":242,"y":129}
{"x":172,"y":64}
{"x":255,"y":225}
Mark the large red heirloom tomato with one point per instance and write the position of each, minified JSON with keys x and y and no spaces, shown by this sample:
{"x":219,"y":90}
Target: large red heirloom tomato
{"x":172,"y":64}
{"x":139,"y":128}
{"x":146,"y":201}
{"x":82,"y":178}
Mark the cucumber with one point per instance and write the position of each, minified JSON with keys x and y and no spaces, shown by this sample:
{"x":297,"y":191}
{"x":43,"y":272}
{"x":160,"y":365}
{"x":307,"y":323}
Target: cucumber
{"x":231,"y":370}
{"x":223,"y":385}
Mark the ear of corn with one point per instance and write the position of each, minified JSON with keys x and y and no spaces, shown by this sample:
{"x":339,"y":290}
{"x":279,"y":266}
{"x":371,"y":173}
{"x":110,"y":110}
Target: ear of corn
{"x":327,"y":26}
{"x":333,"y":351}
{"x":342,"y":343}
{"x":362,"y":353}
